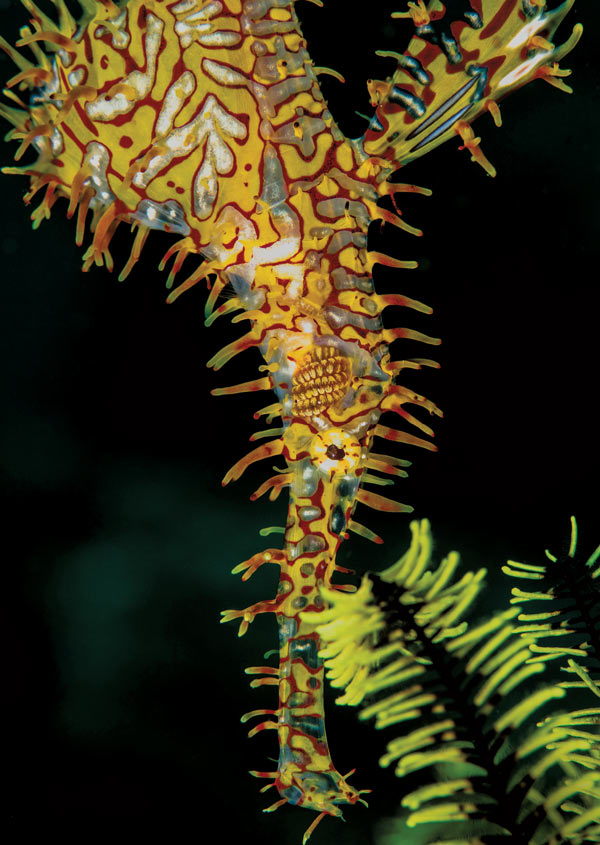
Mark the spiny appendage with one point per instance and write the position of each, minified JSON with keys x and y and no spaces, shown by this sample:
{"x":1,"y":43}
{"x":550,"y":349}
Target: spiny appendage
{"x":333,"y":451}
{"x":324,"y":470}
{"x":202,"y":179}
{"x":327,"y":391}
{"x":81,"y":112}
{"x":71,"y":123}
{"x":325,"y":465}
{"x":567,"y":592}
{"x":305,"y":776}
{"x":324,"y":488}
{"x":512,"y":45}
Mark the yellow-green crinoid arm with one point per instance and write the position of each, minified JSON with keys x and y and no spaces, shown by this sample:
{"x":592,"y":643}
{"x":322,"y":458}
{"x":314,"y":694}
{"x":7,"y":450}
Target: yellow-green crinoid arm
{"x":486,"y":749}
{"x":561,"y":618}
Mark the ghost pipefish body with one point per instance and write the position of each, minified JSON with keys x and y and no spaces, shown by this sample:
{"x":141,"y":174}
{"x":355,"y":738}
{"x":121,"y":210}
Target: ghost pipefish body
{"x":205,"y":120}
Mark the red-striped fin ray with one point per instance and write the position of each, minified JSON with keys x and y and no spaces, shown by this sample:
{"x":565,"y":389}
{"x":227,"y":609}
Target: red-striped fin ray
{"x":402,"y":437}
{"x":382,"y":503}
{"x":267,"y":450}
{"x":245,"y":387}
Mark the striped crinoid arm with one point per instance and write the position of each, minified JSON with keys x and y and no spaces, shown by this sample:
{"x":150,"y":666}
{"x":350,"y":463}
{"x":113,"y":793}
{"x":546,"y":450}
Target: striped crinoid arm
{"x":485,"y":751}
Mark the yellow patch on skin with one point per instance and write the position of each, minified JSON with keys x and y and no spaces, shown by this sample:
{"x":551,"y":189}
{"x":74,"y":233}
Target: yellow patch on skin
{"x":266,"y":231}
{"x":293,"y":41}
{"x":344,"y":157}
{"x":297,"y":439}
{"x":352,"y":300}
{"x":327,"y":187}
{"x":294,"y":534}
{"x":301,"y":103}
{"x":319,"y":285}
{"x":349,"y":259}
{"x":234,"y":6}
{"x":299,"y":168}
{"x":280,"y":15}
{"x":349,"y":333}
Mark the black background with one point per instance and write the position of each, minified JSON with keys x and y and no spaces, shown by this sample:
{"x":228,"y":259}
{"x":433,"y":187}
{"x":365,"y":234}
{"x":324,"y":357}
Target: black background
{"x":126,"y":691}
